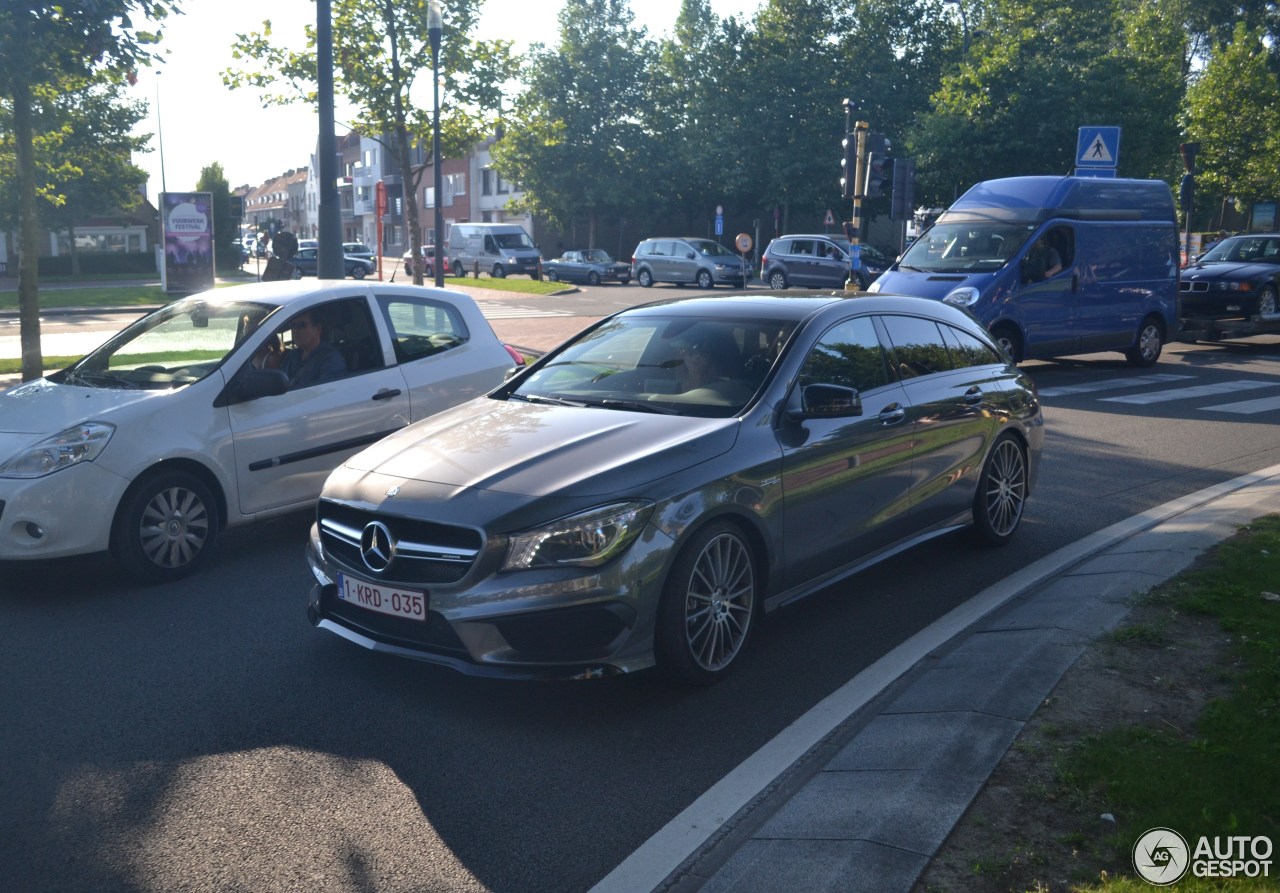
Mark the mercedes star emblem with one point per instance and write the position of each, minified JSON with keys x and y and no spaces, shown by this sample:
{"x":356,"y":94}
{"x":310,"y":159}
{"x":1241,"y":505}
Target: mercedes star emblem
{"x":377,"y":548}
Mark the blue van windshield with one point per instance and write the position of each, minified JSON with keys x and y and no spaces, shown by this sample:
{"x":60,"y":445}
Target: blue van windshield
{"x":965,"y":247}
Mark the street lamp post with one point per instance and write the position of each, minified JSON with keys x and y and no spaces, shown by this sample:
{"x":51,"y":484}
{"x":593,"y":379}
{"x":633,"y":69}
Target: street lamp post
{"x":435,"y":27}
{"x":964,"y":23}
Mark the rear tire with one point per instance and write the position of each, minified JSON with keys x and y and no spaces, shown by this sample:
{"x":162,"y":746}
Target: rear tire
{"x":1150,"y":342}
{"x":165,"y":527}
{"x":1002,"y":492}
{"x":553,"y":276}
{"x":777,"y":280}
{"x":458,"y":271}
{"x":708,"y":607}
{"x":645,"y":278}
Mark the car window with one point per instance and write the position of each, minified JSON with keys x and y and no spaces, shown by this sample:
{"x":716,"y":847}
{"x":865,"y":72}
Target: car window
{"x":966,"y":350}
{"x":175,"y":346}
{"x":802,"y":247}
{"x":918,"y":348}
{"x":707,"y":248}
{"x":654,"y":249}
{"x":421,"y":327}
{"x":850,"y":355}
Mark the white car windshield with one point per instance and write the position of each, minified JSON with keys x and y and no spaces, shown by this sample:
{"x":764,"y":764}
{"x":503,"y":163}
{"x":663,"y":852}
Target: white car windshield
{"x":965,"y":247}
{"x":709,"y":367}
{"x":512,"y":240}
{"x":175,"y":346}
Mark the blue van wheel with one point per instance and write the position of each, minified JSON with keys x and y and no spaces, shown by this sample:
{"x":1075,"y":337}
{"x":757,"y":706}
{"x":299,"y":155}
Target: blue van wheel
{"x":1008,"y":340}
{"x":1146,"y":350}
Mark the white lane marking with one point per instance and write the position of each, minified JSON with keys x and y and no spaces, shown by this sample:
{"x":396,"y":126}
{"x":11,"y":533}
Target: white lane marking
{"x":1110,"y":384}
{"x":1204,"y":390}
{"x":1246,"y":407}
{"x":652,"y":863}
{"x":506,"y":311}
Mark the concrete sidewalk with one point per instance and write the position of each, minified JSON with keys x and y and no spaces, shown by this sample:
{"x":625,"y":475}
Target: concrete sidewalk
{"x":875,"y":777}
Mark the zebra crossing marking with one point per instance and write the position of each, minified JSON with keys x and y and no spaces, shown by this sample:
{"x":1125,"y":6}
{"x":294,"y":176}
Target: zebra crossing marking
{"x":1205,"y":390}
{"x":1246,"y":407}
{"x":1110,"y":384}
{"x":507,"y":311}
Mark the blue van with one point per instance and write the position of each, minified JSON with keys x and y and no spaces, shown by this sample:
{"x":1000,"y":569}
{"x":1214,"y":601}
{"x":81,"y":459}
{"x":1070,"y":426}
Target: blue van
{"x":1054,"y":266}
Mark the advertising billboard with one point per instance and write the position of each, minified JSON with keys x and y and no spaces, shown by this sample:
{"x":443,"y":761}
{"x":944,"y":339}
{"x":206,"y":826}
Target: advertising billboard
{"x":187,"y":218}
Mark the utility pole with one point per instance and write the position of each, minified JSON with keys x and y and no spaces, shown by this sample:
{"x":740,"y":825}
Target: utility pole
{"x":858,"y":133}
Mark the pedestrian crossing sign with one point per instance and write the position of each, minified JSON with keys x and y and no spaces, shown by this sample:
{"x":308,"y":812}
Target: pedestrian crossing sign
{"x":1098,"y":147}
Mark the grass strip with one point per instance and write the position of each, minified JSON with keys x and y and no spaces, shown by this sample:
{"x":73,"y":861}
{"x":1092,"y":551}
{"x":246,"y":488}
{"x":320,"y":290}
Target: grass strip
{"x":1223,"y":778}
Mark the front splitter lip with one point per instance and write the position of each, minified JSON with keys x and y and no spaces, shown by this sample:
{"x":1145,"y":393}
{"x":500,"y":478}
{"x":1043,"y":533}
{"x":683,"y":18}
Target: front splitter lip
{"x":491,"y":671}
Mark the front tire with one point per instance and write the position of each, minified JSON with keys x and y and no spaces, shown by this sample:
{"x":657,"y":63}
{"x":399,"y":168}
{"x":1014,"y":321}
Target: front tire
{"x":1267,"y":303}
{"x":708,"y":607}
{"x":704,"y":279}
{"x":498,"y":272}
{"x":593,"y":278}
{"x":458,"y":271}
{"x":358,"y":272}
{"x":1009,"y":341}
{"x":165,"y":527}
{"x":1002,"y":492}
{"x":1146,"y":349}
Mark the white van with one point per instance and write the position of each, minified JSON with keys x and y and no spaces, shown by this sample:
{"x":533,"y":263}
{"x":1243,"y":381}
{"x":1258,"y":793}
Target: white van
{"x":498,"y":249}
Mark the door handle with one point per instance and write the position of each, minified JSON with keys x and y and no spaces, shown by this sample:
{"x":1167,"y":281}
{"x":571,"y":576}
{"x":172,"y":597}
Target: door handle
{"x":387,"y":394}
{"x":892,"y":414}
{"x":973,"y":395}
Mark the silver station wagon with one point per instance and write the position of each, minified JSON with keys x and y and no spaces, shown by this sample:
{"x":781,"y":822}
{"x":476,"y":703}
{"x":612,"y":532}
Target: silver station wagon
{"x":647,"y":492}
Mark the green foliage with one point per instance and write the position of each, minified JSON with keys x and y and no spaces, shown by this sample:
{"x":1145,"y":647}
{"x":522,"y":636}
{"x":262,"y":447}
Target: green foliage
{"x":1233,"y":111}
{"x":214,"y":181}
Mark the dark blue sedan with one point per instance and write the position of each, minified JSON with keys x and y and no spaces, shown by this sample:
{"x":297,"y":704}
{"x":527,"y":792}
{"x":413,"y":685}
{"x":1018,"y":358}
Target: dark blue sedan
{"x":307,"y":263}
{"x":589,"y":265}
{"x":1232,"y":287}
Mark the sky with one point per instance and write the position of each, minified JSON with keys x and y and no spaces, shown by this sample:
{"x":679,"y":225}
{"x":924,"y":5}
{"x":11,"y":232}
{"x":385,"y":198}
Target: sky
{"x":197,"y":121}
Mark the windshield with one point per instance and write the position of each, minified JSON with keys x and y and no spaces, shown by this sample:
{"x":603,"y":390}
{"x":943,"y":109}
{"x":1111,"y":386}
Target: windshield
{"x":596,"y":256}
{"x":1245,"y":249}
{"x":513,"y":240}
{"x":177,"y":345}
{"x":965,"y":247}
{"x":708,"y":367}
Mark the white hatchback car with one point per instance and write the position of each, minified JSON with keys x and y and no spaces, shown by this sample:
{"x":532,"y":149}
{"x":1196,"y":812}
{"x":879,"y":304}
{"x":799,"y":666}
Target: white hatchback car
{"x":178,"y":426}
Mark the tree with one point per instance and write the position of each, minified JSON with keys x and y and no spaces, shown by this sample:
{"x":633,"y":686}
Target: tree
{"x":379,"y":49}
{"x":214,"y":181}
{"x":49,"y":45}
{"x":1233,"y":111}
{"x":575,"y":143}
{"x":1038,"y":72}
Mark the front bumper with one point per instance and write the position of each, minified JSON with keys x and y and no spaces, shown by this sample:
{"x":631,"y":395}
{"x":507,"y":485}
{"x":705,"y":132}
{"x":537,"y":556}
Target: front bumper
{"x":575,"y":623}
{"x":65,"y":513}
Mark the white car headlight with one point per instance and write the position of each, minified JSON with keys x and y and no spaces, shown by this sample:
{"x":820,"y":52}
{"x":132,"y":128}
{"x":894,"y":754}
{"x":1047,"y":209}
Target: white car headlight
{"x":874,"y":288}
{"x":82,"y":443}
{"x":587,"y":539}
{"x":962,"y":297}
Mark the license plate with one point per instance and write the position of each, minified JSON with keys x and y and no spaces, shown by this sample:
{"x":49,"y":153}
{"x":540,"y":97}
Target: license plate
{"x":383,"y":599}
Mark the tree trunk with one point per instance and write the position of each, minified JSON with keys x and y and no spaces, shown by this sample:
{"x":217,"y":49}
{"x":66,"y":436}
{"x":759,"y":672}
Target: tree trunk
{"x":28,"y":235}
{"x":75,"y":251}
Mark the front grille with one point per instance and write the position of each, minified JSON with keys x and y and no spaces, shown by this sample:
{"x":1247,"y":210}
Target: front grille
{"x":1193,"y":285}
{"x":426,"y":552}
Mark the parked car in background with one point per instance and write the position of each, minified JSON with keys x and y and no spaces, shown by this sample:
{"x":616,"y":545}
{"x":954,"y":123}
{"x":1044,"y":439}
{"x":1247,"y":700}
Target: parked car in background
{"x":238,"y":250}
{"x":170,"y":432}
{"x":686,"y":260}
{"x":359,"y":249}
{"x":498,"y":249}
{"x":307,"y":260}
{"x":1231,"y":289}
{"x":818,"y":261}
{"x":589,"y":265}
{"x":644,"y":493}
{"x":426,"y":261}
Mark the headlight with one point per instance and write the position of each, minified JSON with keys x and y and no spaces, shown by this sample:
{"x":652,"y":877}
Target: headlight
{"x":587,"y":539}
{"x":1238,"y":286}
{"x":874,"y":287}
{"x":82,"y":443}
{"x":962,"y":297}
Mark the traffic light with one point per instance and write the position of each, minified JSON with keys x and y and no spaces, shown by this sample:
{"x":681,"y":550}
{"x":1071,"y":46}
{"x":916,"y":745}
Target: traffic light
{"x":1189,"y":152}
{"x":879,"y":169}
{"x":848,"y":164}
{"x":902,"y":207}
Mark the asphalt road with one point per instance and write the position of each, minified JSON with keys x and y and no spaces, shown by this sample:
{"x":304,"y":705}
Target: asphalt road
{"x":202,"y":736}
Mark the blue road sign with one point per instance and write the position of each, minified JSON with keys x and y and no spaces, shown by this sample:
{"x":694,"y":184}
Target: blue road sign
{"x":719,"y":224}
{"x":1097,"y":172}
{"x":1098,"y":147}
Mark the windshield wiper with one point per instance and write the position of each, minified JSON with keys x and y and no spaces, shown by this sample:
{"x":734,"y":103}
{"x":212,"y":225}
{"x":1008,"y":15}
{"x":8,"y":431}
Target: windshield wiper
{"x":99,"y":379}
{"x":908,"y":267}
{"x":637,"y":405}
{"x":543,"y":398}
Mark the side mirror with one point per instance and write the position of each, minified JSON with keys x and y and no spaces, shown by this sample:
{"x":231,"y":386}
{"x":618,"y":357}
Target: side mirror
{"x":251,"y":384}
{"x":691,"y":255}
{"x":827,"y":401}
